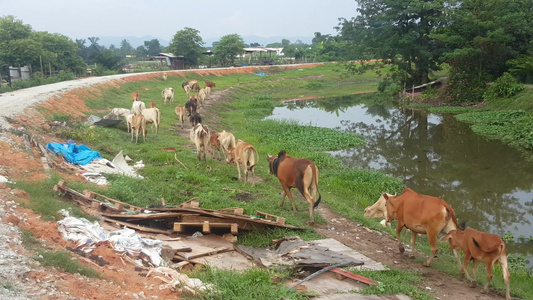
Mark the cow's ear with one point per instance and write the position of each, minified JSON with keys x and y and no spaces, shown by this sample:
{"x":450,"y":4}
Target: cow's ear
{"x":445,"y":238}
{"x":386,"y":196}
{"x":268,"y":156}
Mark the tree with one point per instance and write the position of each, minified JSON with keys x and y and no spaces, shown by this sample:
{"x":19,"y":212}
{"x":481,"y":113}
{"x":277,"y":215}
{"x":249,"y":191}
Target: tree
{"x":60,"y":52}
{"x":20,"y":45}
{"x":187,"y":42}
{"x":482,"y":37}
{"x":398,"y":32}
{"x":126,"y":48}
{"x":153,"y":47}
{"x":13,"y":35}
{"x":109,"y":59}
{"x":255,"y":45}
{"x":229,"y":47}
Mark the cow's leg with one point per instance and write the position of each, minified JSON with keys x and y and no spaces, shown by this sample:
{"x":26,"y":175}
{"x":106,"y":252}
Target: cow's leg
{"x":432,"y":236}
{"x":506,"y":276}
{"x":474,"y":273}
{"x":398,"y":232}
{"x":464,"y":266}
{"x":238,"y":168}
{"x":287,"y":191}
{"x":489,"y":267}
{"x":458,"y":257}
{"x":413,"y":242}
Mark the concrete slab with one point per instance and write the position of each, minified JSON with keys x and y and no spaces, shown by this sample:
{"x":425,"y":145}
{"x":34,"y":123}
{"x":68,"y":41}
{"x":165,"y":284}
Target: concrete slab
{"x":337,"y":246}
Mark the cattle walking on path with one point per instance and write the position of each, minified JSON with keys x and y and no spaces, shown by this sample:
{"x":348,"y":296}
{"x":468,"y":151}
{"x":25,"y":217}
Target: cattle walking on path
{"x":421,"y":214}
{"x":300,"y":173}
{"x":244,"y":154}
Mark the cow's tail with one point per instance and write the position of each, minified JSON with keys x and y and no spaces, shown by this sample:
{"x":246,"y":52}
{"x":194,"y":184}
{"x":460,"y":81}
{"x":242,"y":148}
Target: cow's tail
{"x":451,"y":213}
{"x":315,"y":177}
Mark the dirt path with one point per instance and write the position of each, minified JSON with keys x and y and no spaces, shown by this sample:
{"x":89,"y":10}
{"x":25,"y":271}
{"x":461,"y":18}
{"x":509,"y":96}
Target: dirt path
{"x":376,"y":245}
{"x":22,"y":278}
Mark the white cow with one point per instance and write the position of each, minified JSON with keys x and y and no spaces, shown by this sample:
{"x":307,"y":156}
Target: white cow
{"x":168,"y":94}
{"x":137,"y":107}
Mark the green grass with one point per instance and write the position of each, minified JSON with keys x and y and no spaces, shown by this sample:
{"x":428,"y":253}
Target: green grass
{"x":58,"y":259}
{"x":63,"y":261}
{"x":44,"y":200}
{"x":254,"y":283}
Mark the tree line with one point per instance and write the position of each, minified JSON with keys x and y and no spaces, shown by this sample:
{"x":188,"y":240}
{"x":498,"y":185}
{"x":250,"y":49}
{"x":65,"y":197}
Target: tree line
{"x":474,"y":41}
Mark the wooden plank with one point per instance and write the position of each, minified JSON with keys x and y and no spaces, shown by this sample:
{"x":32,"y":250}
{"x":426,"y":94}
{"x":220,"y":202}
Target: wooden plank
{"x":206,"y":226}
{"x":143,"y":216}
{"x":138,"y":227}
{"x":232,"y":210}
{"x":114,"y":201}
{"x":273,"y":218}
{"x":243,"y":225}
{"x":354,"y":276}
{"x":212,"y":252}
{"x":80,"y":199}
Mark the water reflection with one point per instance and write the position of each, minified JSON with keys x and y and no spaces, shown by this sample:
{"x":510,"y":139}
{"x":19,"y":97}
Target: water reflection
{"x":486,"y":182}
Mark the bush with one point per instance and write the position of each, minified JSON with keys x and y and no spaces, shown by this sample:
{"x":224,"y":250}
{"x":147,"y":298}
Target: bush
{"x":504,"y":87}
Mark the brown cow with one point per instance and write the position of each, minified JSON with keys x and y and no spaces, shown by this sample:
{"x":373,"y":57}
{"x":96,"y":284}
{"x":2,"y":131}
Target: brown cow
{"x":152,"y":104}
{"x":200,"y":137}
{"x":300,"y":173}
{"x":421,"y":214}
{"x":138,"y":124}
{"x":480,"y":247}
{"x":378,"y":210}
{"x":210,"y":84}
{"x":214,"y":143}
{"x":244,"y":153}
{"x":135,"y":96}
{"x":180,"y":112}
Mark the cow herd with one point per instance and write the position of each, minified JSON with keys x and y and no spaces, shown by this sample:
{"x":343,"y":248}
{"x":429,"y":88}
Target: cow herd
{"x":423,"y":214}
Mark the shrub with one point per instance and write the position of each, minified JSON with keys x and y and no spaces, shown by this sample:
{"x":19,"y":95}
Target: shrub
{"x":504,"y":87}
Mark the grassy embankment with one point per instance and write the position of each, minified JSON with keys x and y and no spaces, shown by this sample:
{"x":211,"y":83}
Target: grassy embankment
{"x":252,"y":97}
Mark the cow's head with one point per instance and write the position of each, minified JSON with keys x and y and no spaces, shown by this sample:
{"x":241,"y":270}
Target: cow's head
{"x":271,"y":161}
{"x":454,"y":239}
{"x":377,"y":210}
{"x":230,"y":155}
{"x":390,"y":207}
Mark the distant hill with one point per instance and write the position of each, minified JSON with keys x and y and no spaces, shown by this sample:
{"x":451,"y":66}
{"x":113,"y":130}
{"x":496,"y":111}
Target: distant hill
{"x":135,"y":41}
{"x":264,"y":40}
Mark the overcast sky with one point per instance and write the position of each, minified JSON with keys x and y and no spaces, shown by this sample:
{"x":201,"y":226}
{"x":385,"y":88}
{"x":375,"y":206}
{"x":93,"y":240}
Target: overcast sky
{"x":163,"y":18}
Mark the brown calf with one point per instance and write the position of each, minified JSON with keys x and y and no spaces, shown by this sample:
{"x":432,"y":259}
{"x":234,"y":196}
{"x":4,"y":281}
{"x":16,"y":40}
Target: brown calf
{"x":421,"y":214}
{"x":300,"y":173}
{"x":480,"y":247}
{"x":180,"y":112}
{"x":214,"y":144}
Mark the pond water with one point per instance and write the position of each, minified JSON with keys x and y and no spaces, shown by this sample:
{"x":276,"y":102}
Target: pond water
{"x":486,"y":182}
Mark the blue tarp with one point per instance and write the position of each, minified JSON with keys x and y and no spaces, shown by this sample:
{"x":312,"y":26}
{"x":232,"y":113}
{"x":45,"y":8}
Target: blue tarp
{"x":80,"y":155}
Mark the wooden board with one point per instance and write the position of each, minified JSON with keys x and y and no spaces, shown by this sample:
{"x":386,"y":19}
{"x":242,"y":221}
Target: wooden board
{"x":200,"y":219}
{"x":138,"y":227}
{"x":206,"y":226}
{"x":143,"y":216}
{"x":354,"y":276}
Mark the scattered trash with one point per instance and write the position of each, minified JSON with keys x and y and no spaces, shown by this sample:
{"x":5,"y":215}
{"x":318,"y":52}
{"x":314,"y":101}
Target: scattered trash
{"x":126,"y":240}
{"x":260,"y":74}
{"x":3,"y":179}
